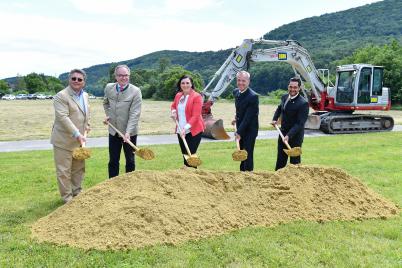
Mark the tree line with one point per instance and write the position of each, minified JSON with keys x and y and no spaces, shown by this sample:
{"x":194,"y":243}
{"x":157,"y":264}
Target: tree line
{"x":159,"y":83}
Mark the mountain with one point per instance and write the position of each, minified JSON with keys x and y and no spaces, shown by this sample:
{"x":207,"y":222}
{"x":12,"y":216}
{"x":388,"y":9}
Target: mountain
{"x":333,"y":36}
{"x":328,"y":37}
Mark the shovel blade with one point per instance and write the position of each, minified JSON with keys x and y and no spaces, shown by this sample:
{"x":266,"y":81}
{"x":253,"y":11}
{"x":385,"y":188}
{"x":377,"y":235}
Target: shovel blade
{"x":193,"y":160}
{"x":293,"y":152}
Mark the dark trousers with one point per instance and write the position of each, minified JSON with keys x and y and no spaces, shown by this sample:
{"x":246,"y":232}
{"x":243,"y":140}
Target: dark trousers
{"x":192,"y":141}
{"x":282,"y":157}
{"x":247,"y":143}
{"x":115,"y":144}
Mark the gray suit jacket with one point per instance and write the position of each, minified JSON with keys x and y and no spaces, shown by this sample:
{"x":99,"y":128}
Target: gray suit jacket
{"x":123,"y":108}
{"x":69,"y":117}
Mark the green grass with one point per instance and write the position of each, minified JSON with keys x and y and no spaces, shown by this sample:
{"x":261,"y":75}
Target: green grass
{"x":28,"y":191}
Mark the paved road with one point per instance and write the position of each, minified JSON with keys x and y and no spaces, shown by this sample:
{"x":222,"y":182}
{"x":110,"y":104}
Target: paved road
{"x":31,"y":145}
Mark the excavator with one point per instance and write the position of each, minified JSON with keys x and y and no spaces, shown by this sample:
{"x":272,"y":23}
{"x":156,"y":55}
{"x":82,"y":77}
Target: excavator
{"x":358,"y":87}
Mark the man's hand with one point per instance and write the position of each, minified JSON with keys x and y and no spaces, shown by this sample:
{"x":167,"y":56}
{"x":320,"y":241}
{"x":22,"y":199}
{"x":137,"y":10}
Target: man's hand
{"x":286,"y":139}
{"x":126,"y":137}
{"x":274,"y":122}
{"x":81,"y":139}
{"x":237,"y":136}
{"x":106,"y":121}
{"x":173,"y":114}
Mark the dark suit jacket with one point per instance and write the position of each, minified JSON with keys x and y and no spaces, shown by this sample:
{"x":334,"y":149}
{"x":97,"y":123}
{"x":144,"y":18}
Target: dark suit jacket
{"x":293,"y":117}
{"x":246,"y":112}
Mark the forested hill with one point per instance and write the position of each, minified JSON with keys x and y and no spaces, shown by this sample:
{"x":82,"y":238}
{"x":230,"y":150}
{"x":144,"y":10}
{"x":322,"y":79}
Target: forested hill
{"x":327,"y":37}
{"x":333,"y":36}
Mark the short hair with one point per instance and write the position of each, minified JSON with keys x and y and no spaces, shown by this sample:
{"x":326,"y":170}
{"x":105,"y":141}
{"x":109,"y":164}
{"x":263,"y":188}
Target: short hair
{"x":184,"y":77}
{"x":73,"y":71}
{"x":245,"y":73}
{"x":295,"y":79}
{"x":121,"y":66}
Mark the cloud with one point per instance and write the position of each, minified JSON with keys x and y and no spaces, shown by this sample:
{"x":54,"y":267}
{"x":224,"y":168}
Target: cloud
{"x":110,"y":7}
{"x":178,"y":6}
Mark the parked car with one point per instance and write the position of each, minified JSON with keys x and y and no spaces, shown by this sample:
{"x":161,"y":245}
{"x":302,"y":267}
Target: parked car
{"x":8,"y":97}
{"x":21,"y":97}
{"x":91,"y":97}
{"x":41,"y":96}
{"x":49,"y":97}
{"x":31,"y":96}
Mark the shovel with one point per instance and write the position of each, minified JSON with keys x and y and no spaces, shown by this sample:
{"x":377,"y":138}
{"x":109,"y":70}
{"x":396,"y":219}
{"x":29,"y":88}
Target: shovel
{"x":293,"y":152}
{"x":144,"y":153}
{"x":192,"y":159}
{"x":239,"y":155}
{"x":82,"y":153}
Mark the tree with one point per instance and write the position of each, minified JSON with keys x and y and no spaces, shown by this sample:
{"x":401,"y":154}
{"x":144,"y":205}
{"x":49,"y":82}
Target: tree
{"x":389,"y":56}
{"x":35,"y":83}
{"x":168,"y":80}
{"x":4,"y":87}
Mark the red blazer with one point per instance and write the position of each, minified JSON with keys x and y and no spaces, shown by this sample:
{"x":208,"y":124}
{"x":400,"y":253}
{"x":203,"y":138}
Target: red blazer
{"x":193,"y":111}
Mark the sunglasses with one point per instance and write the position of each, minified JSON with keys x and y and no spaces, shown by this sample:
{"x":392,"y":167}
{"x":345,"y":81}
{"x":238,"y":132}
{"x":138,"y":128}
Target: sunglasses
{"x":77,"y":79}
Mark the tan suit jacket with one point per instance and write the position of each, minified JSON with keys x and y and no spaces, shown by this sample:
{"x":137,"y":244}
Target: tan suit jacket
{"x":69,"y":117}
{"x":123,"y":108}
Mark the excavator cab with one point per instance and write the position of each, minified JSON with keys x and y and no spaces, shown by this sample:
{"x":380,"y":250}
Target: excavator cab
{"x":360,"y":87}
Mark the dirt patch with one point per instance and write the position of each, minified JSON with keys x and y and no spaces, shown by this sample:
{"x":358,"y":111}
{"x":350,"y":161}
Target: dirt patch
{"x":145,"y":208}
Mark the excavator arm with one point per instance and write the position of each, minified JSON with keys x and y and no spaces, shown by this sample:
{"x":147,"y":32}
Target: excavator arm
{"x":285,"y":51}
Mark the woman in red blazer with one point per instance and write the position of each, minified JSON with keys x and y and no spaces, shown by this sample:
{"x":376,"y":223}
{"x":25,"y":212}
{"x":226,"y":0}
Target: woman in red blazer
{"x":186,"y":109}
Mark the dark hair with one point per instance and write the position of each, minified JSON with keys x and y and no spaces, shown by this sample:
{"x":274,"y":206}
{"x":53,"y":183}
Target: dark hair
{"x":295,"y":79}
{"x":184,"y":77}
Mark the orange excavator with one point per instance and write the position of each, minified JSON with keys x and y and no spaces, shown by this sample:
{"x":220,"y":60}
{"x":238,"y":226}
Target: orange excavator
{"x":357,"y":87}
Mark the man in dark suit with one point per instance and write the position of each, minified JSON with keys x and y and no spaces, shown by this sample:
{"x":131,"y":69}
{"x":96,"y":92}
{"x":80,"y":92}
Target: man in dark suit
{"x":246,"y":102}
{"x":293,"y":111}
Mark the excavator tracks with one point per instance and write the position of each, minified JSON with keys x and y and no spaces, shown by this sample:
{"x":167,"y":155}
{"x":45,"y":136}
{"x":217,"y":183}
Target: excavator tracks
{"x":335,"y":123}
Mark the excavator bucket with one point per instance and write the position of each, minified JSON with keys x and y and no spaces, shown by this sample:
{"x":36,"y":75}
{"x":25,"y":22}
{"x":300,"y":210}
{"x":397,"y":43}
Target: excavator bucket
{"x":313,"y":122}
{"x":214,"y":129}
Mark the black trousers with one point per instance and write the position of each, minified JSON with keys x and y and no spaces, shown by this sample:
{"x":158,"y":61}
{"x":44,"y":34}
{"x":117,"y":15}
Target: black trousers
{"x":192,"y":141}
{"x":282,"y":157}
{"x":247,"y":143}
{"x":115,"y":144}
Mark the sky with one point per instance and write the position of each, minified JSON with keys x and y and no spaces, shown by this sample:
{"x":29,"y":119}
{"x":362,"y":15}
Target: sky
{"x":55,"y":36}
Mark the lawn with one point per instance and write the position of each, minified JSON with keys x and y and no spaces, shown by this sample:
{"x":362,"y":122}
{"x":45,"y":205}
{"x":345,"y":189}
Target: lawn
{"x":28,"y":191}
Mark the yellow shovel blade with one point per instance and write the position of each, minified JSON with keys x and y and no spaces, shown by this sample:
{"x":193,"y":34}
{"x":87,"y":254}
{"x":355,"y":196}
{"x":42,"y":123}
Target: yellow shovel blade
{"x":293,"y":152}
{"x":193,"y":160}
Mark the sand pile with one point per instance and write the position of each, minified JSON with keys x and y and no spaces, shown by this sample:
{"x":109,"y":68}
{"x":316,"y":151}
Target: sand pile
{"x":151,"y":207}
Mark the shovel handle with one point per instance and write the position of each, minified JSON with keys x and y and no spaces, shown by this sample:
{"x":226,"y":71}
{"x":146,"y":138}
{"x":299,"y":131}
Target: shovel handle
{"x":85,"y":136}
{"x":236,"y":139}
{"x":121,"y":134}
{"x":183,"y":138}
{"x":280,"y":133}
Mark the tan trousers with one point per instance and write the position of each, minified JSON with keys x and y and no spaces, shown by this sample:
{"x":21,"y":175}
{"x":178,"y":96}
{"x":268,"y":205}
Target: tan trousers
{"x":70,"y":173}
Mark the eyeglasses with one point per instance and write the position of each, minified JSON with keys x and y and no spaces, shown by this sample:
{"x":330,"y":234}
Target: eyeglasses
{"x":122,"y":75}
{"x":77,"y":79}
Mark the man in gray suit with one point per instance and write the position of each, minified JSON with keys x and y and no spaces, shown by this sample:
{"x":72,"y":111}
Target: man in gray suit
{"x":122,"y":105}
{"x":71,"y":122}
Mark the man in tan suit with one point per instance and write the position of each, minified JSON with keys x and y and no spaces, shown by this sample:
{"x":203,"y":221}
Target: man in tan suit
{"x":122,"y":105}
{"x":71,"y":122}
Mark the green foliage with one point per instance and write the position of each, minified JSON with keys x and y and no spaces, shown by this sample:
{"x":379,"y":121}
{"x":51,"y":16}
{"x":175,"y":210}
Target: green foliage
{"x":168,"y":82}
{"x":4,"y":87}
{"x":389,"y":56}
{"x":35,"y":82}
